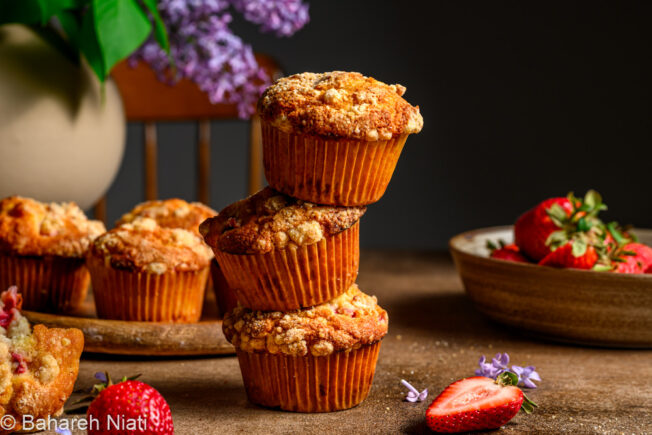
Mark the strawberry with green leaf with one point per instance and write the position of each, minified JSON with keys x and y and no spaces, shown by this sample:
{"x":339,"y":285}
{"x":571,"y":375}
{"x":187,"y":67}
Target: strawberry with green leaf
{"x":565,"y":232}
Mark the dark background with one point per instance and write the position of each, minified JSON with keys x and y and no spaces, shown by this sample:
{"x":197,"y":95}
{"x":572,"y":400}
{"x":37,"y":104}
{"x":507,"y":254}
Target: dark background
{"x":521,"y":101}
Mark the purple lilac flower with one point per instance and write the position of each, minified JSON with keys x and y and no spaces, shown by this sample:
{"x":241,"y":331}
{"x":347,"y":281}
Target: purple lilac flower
{"x":101,"y":376}
{"x":499,"y":364}
{"x":526,"y":375}
{"x":62,"y":431}
{"x":281,"y":17}
{"x":205,"y":50}
{"x":414,"y":395}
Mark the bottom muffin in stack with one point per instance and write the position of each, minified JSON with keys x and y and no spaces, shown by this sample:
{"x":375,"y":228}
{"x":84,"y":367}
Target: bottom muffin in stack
{"x":316,"y":359}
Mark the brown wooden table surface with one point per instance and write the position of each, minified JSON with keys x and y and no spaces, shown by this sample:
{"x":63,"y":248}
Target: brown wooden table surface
{"x":436,"y":336}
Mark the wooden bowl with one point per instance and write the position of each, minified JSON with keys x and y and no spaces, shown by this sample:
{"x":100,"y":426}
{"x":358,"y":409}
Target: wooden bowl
{"x":576,"y":306}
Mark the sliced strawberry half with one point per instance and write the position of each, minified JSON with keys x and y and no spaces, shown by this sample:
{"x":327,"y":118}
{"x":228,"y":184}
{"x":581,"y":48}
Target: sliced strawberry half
{"x":477,"y":403}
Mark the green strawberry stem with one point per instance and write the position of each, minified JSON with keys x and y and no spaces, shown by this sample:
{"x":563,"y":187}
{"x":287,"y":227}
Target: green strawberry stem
{"x":508,"y":378}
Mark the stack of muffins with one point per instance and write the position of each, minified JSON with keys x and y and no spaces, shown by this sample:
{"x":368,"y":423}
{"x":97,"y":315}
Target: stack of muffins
{"x":306,"y":337}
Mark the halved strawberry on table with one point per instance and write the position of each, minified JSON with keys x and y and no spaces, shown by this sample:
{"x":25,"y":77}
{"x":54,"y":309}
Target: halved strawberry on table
{"x":477,"y":403}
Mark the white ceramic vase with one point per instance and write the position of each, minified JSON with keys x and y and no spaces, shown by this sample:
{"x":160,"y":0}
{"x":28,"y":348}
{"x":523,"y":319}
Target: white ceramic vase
{"x":61,"y":139}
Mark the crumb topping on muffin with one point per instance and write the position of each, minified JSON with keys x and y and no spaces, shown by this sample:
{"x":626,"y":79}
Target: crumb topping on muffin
{"x":339,"y":104}
{"x":270,"y":220}
{"x":171,"y":213}
{"x":145,"y":246}
{"x":29,"y":227}
{"x":347,"y":322}
{"x":38,"y":367}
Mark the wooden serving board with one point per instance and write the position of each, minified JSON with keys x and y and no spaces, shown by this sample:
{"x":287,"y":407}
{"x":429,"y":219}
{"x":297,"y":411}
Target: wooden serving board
{"x":143,"y":338}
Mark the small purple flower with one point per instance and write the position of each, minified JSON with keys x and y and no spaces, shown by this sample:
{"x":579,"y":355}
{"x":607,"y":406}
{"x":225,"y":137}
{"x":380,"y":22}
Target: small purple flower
{"x":414,"y":395}
{"x":500,"y":364}
{"x":526,"y":376}
{"x":101,"y":376}
{"x":62,"y":431}
{"x":492,"y":369}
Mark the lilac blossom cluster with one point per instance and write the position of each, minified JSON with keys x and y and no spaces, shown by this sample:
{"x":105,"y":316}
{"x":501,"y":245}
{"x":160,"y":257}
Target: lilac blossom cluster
{"x":204,"y":49}
{"x":499,"y":364}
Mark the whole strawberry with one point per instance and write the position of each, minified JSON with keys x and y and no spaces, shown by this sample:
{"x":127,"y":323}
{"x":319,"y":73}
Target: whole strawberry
{"x":533,"y":228}
{"x":573,"y":255}
{"x":507,"y":252}
{"x":129,"y":407}
{"x":633,"y":258}
{"x":477,"y":403}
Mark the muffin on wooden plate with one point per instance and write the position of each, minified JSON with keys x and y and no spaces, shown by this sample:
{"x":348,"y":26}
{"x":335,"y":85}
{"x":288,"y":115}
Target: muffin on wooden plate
{"x":318,"y":359}
{"x":334,"y":138}
{"x":38,"y":367}
{"x":42,"y":250}
{"x":280,"y":253}
{"x":177,"y":213}
{"x":142,"y":271}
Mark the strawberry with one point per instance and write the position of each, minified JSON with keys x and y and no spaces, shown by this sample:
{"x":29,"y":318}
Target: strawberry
{"x":533,"y":228}
{"x":507,"y":252}
{"x":128,"y":407}
{"x":573,"y":255}
{"x":633,"y":258}
{"x":477,"y":403}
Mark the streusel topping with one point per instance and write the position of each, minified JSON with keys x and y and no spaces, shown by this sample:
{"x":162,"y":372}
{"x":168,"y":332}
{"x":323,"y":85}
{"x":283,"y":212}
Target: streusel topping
{"x":29,"y":227}
{"x":270,"y":220}
{"x":339,"y":104}
{"x":145,"y":246}
{"x":171,"y":213}
{"x":347,"y":322}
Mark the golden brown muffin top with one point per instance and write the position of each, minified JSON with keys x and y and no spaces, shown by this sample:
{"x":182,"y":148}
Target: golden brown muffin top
{"x":347,"y":322}
{"x":145,"y":246}
{"x":270,"y":220}
{"x":29,"y":227}
{"x":171,"y":213}
{"x":339,"y":104}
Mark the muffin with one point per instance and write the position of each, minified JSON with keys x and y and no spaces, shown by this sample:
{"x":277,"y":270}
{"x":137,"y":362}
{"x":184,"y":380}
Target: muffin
{"x":318,"y":359}
{"x":38,"y":367}
{"x":280,"y":253}
{"x":334,"y":138}
{"x":177,"y":213}
{"x":42,"y":250}
{"x":142,"y":271}
{"x":171,"y":213}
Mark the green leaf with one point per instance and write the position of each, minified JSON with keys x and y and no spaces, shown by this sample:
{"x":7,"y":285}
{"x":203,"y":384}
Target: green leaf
{"x":528,"y":405}
{"x":507,"y":378}
{"x":121,"y":27}
{"x":579,"y":248}
{"x":70,"y":25}
{"x":557,"y":214}
{"x":35,"y":11}
{"x":160,"y":32}
{"x":583,"y":225}
{"x":491,"y":246}
{"x":592,"y":199}
{"x":90,"y":47}
{"x":557,"y":238}
{"x":55,"y":39}
{"x":615,"y":233}
{"x":602,"y":268}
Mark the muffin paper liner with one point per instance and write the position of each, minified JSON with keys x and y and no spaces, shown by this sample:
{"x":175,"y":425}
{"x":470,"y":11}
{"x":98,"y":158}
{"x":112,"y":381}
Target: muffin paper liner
{"x":50,"y":283}
{"x":309,"y":383}
{"x":148,"y":297}
{"x":226,"y":298}
{"x":294,"y":277}
{"x":336,"y":172}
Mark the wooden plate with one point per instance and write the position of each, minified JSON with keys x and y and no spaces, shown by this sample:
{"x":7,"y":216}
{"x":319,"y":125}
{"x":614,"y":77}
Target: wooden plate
{"x":577,"y":306}
{"x":143,"y":338}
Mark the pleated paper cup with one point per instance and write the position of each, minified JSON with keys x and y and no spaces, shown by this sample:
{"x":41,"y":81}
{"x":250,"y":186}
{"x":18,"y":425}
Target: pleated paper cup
{"x":225,"y":296}
{"x":309,"y":383}
{"x":329,"y":171}
{"x":294,"y":277}
{"x":147,"y":297}
{"x":50,"y":284}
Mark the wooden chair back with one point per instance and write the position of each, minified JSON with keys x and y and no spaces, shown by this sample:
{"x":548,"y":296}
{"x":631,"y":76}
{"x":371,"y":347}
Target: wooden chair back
{"x":148,"y":100}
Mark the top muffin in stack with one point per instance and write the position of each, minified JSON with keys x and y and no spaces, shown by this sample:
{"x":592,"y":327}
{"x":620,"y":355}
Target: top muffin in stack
{"x":334,"y":138}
